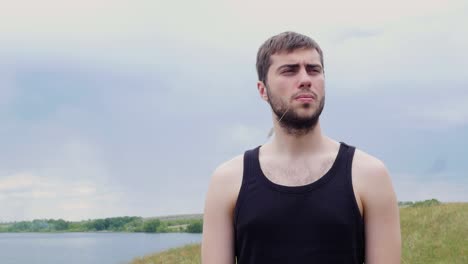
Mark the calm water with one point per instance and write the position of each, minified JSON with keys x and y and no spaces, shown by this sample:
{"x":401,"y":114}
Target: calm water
{"x":102,"y":248}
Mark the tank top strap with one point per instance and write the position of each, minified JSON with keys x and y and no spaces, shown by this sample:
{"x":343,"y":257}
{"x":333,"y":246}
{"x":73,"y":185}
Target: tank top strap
{"x":251,"y":165}
{"x":348,"y":156}
{"x":251,"y":169}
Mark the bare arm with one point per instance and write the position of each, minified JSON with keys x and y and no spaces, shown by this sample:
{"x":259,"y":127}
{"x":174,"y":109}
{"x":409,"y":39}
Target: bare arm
{"x":381,"y":213}
{"x":218,"y":233}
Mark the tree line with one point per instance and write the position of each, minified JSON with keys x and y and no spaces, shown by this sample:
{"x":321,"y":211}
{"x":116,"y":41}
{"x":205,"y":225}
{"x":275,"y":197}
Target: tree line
{"x":424,"y":203}
{"x":113,"y":224}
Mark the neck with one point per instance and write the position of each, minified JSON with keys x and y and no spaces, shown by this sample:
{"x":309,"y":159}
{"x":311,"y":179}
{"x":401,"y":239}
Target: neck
{"x":295,"y":144}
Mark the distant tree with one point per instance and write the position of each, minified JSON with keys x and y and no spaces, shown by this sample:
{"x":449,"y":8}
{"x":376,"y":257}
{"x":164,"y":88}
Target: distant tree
{"x":98,"y":224}
{"x":22,"y":226}
{"x":163,"y":228}
{"x":425,"y":203}
{"x":81,"y":226}
{"x":61,"y":225}
{"x":151,"y":226}
{"x":119,"y":223}
{"x":38,"y":225}
{"x":136,"y":225}
{"x":405,"y":204}
{"x":116,"y":224}
{"x":195,"y":227}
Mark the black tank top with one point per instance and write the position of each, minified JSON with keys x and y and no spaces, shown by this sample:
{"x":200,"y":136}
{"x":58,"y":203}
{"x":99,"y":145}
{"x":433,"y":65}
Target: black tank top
{"x":317,"y":223}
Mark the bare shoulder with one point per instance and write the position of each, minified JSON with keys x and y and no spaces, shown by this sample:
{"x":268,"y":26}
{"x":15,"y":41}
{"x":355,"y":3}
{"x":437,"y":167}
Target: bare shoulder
{"x":366,"y":165}
{"x":230,"y":171}
{"x":218,"y":236}
{"x":227,"y":178}
{"x":374,"y":187}
{"x":371,"y":179}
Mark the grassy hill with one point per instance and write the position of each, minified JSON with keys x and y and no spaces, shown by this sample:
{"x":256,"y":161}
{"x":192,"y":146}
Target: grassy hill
{"x":189,"y":254}
{"x":435,"y":234}
{"x":431,"y":233}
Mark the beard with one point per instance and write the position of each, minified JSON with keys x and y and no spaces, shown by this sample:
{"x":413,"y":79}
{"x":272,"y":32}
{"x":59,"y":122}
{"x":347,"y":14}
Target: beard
{"x":290,"y":120}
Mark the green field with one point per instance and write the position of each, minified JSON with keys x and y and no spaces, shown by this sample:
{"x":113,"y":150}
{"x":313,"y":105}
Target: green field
{"x":435,"y":234}
{"x":431,"y":233}
{"x":185,"y":255}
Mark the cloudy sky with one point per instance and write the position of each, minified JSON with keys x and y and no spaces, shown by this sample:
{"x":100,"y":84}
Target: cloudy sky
{"x":112,"y":108}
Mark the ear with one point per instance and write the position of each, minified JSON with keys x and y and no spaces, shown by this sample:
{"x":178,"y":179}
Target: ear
{"x":262,"y":90}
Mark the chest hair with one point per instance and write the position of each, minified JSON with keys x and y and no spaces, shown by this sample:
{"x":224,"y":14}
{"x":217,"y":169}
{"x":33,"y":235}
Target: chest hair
{"x":296,"y":173}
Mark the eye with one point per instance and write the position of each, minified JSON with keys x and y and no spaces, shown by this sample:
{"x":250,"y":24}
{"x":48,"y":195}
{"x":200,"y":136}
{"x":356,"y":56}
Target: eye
{"x":314,"y":70}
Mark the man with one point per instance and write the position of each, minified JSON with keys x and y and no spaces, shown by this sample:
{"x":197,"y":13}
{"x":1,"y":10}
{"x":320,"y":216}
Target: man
{"x":302,"y":197}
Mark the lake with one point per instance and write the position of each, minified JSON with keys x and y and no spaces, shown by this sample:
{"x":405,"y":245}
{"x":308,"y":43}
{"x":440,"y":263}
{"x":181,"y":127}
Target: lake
{"x":102,"y":248}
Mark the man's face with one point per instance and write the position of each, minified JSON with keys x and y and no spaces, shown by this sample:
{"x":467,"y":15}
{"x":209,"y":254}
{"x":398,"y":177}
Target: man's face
{"x":295,"y":89}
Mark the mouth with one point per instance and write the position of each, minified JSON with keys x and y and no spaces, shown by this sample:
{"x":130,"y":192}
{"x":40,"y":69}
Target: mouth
{"x":305,"y":98}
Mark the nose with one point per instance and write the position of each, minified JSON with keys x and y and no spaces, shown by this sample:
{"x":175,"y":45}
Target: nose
{"x":304,"y":79}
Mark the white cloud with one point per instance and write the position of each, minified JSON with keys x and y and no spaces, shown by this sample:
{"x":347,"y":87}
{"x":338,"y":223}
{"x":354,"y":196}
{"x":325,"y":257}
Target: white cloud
{"x":19,"y":181}
{"x":98,"y":27}
{"x":413,"y":53}
{"x":27,"y":196}
{"x":70,"y":183}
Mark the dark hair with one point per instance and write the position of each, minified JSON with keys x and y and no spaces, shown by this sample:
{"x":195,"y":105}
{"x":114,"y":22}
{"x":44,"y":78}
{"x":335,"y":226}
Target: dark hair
{"x":287,"y":41}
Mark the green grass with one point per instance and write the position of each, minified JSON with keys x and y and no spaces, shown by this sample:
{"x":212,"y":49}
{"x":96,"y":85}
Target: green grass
{"x":434,"y":233}
{"x":189,"y":254}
